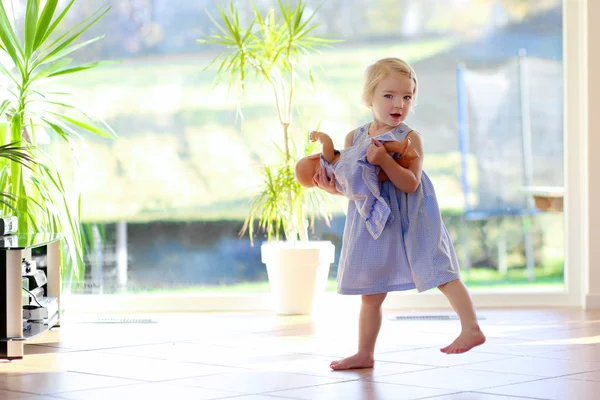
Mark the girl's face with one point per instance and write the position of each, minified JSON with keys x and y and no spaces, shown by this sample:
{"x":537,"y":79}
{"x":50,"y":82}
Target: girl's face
{"x":392,"y":100}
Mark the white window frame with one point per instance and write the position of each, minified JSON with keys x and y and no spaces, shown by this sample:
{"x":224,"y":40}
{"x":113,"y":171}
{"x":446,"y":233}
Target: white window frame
{"x":581,"y":289}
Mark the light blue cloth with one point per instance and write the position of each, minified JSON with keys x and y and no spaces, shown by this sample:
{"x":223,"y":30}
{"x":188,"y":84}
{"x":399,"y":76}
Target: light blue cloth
{"x":357,"y":179}
{"x":413,"y":251}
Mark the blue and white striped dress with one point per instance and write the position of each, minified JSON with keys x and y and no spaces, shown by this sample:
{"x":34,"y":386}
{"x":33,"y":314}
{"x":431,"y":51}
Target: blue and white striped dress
{"x":357,"y":179}
{"x":413,"y":251}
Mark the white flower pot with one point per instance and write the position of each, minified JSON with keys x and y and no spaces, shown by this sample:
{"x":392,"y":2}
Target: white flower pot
{"x":297,"y":273}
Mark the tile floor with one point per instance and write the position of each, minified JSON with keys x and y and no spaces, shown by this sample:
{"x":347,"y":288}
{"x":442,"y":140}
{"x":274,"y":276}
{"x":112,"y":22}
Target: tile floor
{"x":530,"y":354}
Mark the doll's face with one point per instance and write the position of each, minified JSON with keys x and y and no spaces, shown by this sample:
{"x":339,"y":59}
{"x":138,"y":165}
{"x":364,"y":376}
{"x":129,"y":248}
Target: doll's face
{"x":306,"y":169}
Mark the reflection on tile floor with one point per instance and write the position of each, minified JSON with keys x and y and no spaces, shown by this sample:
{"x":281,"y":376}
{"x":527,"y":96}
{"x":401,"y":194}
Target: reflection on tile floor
{"x":530,"y":354}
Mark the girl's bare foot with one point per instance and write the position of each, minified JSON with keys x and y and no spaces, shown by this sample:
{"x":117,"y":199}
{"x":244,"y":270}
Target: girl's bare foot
{"x":353,"y":362}
{"x":465,"y":341}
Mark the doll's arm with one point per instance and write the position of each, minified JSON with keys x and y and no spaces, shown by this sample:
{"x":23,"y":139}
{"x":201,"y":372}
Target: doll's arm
{"x":326,"y":142}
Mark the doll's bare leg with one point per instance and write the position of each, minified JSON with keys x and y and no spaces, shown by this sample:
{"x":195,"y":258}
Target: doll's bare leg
{"x":408,"y":157}
{"x":369,"y":324}
{"x":470,"y":335}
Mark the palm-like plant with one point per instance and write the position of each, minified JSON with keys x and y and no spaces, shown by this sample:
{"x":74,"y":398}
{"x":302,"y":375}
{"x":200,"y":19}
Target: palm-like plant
{"x":16,"y":154}
{"x":275,"y":49}
{"x":40,"y":54}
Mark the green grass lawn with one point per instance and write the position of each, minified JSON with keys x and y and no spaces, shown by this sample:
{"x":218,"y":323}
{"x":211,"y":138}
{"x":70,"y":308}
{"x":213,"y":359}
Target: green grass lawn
{"x":180,"y":133}
{"x":548,"y":278}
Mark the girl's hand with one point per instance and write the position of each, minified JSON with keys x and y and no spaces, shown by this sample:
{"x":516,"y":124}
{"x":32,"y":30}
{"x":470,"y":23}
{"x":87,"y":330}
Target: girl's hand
{"x":376,"y":153}
{"x":323,"y":182}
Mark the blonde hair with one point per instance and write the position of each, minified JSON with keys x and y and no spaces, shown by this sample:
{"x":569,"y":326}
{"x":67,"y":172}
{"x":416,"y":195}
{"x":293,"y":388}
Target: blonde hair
{"x":380,"y":70}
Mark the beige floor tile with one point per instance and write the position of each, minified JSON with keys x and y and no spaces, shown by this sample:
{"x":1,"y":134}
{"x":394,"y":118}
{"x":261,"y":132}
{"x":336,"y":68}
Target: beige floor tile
{"x":543,"y":367}
{"x":4,"y":395}
{"x":434,"y":357}
{"x":137,"y":368}
{"x":319,"y":366}
{"x":52,"y":383}
{"x":552,"y":389}
{"x":326,"y":346}
{"x":34,"y":349}
{"x":455,"y":379}
{"x":403,"y":336}
{"x":520,"y":347}
{"x":586,"y":376}
{"x":255,"y":382}
{"x":256,"y":397}
{"x":476,"y":396}
{"x":261,"y":356}
{"x":581,"y":335}
{"x":361,"y":390}
{"x":242,"y":339}
{"x":583,"y":353}
{"x":194,"y":353}
{"x":337,"y":348}
{"x":295,"y":344}
{"x":149,"y":391}
{"x":17,"y":367}
{"x":95,"y":337}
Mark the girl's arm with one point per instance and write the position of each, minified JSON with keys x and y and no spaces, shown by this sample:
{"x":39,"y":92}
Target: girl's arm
{"x":405,"y":179}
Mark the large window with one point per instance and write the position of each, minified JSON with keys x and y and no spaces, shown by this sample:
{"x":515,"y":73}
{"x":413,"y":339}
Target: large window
{"x":166,"y":200}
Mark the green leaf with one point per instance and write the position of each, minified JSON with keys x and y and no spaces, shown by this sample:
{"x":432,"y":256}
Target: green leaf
{"x":31,"y":21}
{"x":10,"y":75}
{"x":9,"y":40}
{"x":57,"y":103}
{"x":51,"y":69}
{"x":56,"y":22}
{"x":61,"y":129}
{"x":3,"y":107}
{"x":82,"y":68}
{"x":109,"y":130}
{"x":56,"y":128}
{"x":18,"y":154}
{"x":85,"y":126}
{"x":44,"y":22}
{"x":22,"y":208}
{"x":61,"y":43}
{"x":9,"y":203}
{"x":68,"y":50}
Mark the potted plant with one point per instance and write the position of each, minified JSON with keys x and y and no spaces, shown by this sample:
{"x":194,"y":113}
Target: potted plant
{"x":275,"y":49}
{"x":30,"y":107}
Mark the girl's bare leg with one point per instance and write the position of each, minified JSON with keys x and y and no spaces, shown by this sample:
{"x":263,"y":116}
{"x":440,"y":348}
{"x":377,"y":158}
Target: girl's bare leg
{"x":470,"y":335}
{"x":369,"y":324}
